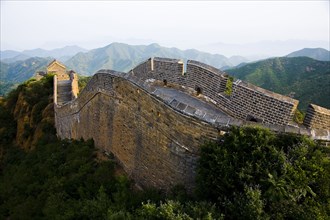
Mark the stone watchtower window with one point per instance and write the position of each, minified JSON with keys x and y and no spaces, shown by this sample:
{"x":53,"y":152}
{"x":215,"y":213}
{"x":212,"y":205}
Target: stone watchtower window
{"x":198,"y":90}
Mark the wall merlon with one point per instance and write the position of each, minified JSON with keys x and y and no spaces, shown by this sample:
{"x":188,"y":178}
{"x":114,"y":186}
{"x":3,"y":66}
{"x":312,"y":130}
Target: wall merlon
{"x":258,"y":90}
{"x":317,"y":117}
{"x":169,"y":60}
{"x":207,"y":67}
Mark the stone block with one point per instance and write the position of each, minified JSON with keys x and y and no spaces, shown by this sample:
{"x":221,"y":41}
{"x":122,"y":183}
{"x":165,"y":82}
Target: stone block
{"x":235,"y":122}
{"x":181,"y":106}
{"x":190,"y":110}
{"x":210,"y":118}
{"x":199,"y":113}
{"x":291,"y":129}
{"x":223,"y":120}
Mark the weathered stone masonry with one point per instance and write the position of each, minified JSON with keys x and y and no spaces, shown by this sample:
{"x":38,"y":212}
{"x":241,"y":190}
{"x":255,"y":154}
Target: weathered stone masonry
{"x":317,"y":117}
{"x":156,"y":145}
{"x":155,"y":136}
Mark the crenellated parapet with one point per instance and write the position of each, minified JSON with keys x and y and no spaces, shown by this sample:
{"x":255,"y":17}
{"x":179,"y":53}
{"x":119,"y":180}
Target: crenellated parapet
{"x":317,"y":117}
{"x":246,"y":102}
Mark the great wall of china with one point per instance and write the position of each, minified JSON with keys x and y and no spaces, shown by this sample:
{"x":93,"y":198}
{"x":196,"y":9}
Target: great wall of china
{"x":154,"y":118}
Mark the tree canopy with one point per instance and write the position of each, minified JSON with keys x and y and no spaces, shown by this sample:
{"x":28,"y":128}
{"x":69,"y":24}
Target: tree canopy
{"x":256,"y":174}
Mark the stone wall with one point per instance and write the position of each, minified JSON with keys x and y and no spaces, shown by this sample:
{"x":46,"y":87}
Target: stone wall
{"x":208,"y":80}
{"x":317,"y":117}
{"x":157,"y":145}
{"x":156,"y":140}
{"x":74,"y":85}
{"x":252,"y":103}
{"x":55,"y":89}
{"x":143,"y":69}
{"x":247,"y":102}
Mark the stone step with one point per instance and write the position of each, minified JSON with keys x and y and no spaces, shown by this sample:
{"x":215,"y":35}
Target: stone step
{"x":63,"y":91}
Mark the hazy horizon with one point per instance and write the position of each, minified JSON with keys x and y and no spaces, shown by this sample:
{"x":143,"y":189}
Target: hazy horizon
{"x":223,"y":27}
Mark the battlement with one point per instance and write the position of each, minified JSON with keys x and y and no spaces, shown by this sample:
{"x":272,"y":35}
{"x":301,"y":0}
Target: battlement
{"x":207,"y":67}
{"x":246,"y":102}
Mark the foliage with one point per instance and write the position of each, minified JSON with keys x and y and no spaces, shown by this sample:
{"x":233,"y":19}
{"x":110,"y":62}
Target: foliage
{"x":304,"y":77}
{"x":299,"y":116}
{"x":229,"y":86}
{"x":55,"y":180}
{"x":315,"y":53}
{"x":6,"y":87}
{"x":175,"y":210}
{"x":82,"y":82}
{"x":252,"y":173}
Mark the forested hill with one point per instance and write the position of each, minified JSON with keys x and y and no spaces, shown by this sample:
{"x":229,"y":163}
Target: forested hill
{"x":315,"y":53}
{"x":19,"y":71}
{"x":305,"y":79}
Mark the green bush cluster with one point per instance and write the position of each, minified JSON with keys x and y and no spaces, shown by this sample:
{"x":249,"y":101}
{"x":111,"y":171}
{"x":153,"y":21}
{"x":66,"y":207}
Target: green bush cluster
{"x":252,"y":173}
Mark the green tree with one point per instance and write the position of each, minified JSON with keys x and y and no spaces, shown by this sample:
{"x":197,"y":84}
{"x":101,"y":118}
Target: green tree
{"x":252,"y":173}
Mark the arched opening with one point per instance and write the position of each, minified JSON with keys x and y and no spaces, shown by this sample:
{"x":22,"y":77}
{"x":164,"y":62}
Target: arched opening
{"x":165,"y":82}
{"x":252,"y":118}
{"x":198,"y":90}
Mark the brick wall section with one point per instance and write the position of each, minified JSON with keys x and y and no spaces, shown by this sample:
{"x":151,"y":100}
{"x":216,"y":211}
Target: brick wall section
{"x":157,"y":146}
{"x":142,"y":70}
{"x":317,"y":117}
{"x":74,"y":85}
{"x":248,"y":101}
{"x":170,"y":70}
{"x":161,"y":69}
{"x":210,"y":80}
{"x":55,"y":90}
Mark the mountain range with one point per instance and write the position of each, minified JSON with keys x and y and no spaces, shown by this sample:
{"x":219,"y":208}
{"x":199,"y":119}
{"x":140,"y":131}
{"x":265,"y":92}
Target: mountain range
{"x":62,"y":54}
{"x":315,"y":53}
{"x":262,"y":49}
{"x":12,"y":74}
{"x":294,"y":74}
{"x":123,"y":57}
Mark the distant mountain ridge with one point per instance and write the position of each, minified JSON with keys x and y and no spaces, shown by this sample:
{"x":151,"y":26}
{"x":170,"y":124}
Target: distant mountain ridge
{"x":19,"y":71}
{"x":304,"y":78}
{"x":123,"y":57}
{"x":64,"y":53}
{"x":315,"y":53}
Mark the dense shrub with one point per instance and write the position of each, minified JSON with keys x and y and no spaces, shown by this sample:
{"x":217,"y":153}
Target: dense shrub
{"x":252,"y":173}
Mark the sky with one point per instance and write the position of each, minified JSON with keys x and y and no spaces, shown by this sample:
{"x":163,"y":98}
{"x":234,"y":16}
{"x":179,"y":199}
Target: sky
{"x":182,"y":24}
